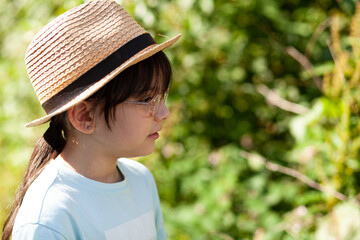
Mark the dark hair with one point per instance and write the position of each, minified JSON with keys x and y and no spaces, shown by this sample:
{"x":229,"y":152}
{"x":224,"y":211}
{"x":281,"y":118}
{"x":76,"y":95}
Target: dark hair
{"x":137,"y":81}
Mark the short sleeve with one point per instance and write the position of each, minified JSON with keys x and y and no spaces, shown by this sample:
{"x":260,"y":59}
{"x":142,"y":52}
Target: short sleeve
{"x":36,"y":232}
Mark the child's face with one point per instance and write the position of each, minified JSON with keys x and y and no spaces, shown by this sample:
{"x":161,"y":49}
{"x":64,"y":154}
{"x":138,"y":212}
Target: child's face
{"x":133,"y":132}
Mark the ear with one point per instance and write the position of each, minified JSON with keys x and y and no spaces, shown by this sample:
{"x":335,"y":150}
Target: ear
{"x":82,"y":118}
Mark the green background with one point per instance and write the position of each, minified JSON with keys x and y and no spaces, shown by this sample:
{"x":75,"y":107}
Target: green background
{"x":263,"y":141}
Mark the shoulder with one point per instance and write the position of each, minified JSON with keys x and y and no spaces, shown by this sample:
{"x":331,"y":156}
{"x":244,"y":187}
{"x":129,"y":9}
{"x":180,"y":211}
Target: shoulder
{"x":45,"y":204}
{"x":35,"y":196}
{"x":36,"y":231}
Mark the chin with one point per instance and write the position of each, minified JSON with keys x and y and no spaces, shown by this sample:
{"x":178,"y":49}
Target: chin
{"x":143,"y":152}
{"x":147,"y":152}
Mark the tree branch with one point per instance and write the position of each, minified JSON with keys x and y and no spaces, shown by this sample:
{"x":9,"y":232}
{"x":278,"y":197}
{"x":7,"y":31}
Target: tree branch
{"x":305,"y":63}
{"x":319,"y":30}
{"x":295,"y":174}
{"x":274,"y":98}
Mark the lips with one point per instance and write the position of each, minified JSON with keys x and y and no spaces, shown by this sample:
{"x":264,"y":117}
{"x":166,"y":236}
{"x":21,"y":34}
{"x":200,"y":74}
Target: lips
{"x":154,"y":135}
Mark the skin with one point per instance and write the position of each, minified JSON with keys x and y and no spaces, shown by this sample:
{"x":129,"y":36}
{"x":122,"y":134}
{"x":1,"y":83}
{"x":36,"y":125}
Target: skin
{"x":93,"y":152}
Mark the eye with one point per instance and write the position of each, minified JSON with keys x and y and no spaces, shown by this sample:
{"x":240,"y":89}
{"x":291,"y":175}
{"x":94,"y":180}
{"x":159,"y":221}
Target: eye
{"x":146,"y":100}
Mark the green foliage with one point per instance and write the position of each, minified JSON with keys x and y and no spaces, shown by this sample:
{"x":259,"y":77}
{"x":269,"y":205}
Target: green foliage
{"x":209,"y":189}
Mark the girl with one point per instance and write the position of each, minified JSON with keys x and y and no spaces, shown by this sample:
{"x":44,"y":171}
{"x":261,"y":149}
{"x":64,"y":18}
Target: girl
{"x":103,"y":82}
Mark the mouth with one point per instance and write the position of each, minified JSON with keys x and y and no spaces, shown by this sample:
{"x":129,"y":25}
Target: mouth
{"x":154,"y":135}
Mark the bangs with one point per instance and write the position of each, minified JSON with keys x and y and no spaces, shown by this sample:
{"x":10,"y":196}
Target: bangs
{"x":146,"y":78}
{"x":149,"y":77}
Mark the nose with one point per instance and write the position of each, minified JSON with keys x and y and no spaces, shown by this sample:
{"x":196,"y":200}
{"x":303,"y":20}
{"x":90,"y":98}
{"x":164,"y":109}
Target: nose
{"x":163,"y":112}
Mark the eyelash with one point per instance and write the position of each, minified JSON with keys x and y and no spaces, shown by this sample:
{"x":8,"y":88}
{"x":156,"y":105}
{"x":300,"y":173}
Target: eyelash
{"x":148,"y":99}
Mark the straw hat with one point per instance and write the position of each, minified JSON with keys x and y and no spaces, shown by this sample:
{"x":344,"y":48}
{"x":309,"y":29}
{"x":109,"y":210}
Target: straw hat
{"x":83,"y":49}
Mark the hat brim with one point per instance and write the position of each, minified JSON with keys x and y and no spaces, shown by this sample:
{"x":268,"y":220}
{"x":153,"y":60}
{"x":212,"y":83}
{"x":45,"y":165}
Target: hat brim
{"x":145,"y":53}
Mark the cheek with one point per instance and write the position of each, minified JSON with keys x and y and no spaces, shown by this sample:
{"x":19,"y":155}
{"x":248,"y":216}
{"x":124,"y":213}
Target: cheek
{"x":131,"y":123}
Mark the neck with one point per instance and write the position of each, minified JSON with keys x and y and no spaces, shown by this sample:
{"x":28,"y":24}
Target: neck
{"x":90,"y":163}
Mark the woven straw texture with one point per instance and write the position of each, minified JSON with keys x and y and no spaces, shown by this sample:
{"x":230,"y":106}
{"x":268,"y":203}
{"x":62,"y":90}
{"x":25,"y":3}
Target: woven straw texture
{"x":75,"y":42}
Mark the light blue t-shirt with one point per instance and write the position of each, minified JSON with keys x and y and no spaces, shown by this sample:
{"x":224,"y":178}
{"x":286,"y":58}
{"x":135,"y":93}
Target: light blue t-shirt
{"x":62,"y":204}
